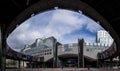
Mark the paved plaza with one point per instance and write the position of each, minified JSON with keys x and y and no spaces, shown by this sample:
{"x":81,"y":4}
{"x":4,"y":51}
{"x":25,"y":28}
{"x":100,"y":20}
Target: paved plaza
{"x":66,"y":69}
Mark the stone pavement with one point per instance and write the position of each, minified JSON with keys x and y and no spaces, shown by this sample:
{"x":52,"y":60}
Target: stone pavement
{"x":65,"y":69}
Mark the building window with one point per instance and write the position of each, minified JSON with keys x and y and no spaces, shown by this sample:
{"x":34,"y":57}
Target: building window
{"x":87,"y":49}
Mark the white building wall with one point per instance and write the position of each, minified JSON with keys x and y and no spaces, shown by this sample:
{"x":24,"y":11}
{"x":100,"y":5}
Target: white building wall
{"x":103,"y":37}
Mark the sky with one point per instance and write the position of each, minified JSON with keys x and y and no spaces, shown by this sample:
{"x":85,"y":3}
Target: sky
{"x":65,"y":25}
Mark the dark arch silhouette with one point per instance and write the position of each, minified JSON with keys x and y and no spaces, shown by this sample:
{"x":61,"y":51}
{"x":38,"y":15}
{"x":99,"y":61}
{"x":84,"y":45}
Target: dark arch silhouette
{"x":44,"y":5}
{"x":74,"y":5}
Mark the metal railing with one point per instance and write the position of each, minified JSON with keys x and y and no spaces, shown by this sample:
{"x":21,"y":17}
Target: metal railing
{"x":11,"y":54}
{"x":108,"y":52}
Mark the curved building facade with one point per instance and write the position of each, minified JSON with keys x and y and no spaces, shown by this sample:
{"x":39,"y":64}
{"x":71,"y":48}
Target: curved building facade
{"x":67,"y":54}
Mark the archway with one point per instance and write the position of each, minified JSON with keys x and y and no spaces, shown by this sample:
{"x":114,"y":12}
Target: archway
{"x":77,"y":5}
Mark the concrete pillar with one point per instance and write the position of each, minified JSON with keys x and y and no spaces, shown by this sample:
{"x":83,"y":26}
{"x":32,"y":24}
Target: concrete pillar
{"x":102,"y":63}
{"x":3,"y":48}
{"x":80,"y":53}
{"x":0,"y":47}
{"x":30,"y":64}
{"x":23,"y":64}
{"x":111,"y":62}
{"x":19,"y":63}
{"x":119,"y":59}
{"x":97,"y":63}
{"x":44,"y":65}
{"x":55,"y":50}
{"x":36,"y":64}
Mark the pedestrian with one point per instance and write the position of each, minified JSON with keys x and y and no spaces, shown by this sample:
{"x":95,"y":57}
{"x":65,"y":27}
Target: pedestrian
{"x":88,"y":67}
{"x":62,"y":67}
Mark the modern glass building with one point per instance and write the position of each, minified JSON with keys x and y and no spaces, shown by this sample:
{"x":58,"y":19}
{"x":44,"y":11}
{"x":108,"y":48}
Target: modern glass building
{"x":40,"y":47}
{"x":67,"y":54}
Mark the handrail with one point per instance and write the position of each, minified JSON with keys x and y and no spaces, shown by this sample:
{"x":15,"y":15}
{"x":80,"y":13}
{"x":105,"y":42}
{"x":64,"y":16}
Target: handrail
{"x":10,"y":53}
{"x":108,"y":52}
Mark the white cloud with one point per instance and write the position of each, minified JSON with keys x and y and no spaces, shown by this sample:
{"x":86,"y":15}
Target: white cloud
{"x":15,"y":39}
{"x":62,"y":22}
{"x":74,"y":38}
{"x":93,"y":27}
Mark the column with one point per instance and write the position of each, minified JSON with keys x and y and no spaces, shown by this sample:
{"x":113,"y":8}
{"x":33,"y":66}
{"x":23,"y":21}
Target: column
{"x":23,"y":64}
{"x":80,"y":53}
{"x":111,"y":62}
{"x":97,"y":63}
{"x":3,"y":48}
{"x":119,"y":59}
{"x":0,"y":47}
{"x":102,"y":62}
{"x":19,"y":64}
{"x":55,"y":55}
{"x":30,"y":64}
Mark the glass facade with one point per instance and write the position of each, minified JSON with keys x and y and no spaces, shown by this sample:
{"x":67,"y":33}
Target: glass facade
{"x":67,"y":47}
{"x":40,"y":47}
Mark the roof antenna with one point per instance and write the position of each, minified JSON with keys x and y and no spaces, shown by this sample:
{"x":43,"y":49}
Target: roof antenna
{"x":80,"y":11}
{"x":55,"y":8}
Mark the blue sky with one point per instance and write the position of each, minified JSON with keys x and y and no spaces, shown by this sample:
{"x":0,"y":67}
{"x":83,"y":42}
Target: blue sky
{"x":65,"y":25}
